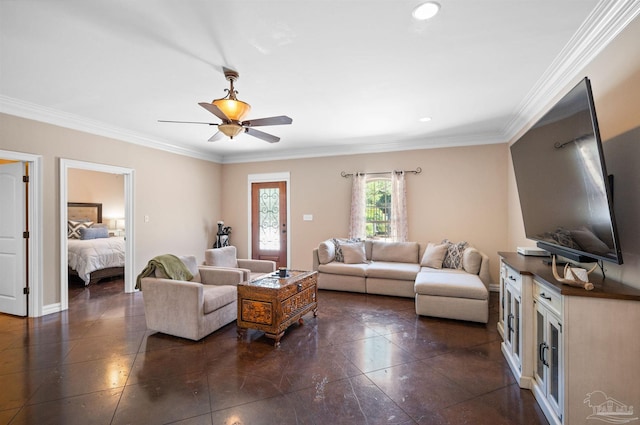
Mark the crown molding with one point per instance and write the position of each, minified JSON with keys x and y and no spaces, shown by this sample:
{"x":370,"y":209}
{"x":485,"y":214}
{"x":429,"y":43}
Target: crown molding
{"x":603,"y":24}
{"x":370,"y":147}
{"x":20,"y":108}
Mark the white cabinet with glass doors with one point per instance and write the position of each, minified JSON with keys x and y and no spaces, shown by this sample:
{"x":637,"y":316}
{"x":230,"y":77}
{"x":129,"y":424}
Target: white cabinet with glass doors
{"x":548,"y":372}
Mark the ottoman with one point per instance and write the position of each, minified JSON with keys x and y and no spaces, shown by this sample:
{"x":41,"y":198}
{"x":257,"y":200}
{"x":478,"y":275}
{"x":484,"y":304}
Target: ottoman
{"x":452,"y":294}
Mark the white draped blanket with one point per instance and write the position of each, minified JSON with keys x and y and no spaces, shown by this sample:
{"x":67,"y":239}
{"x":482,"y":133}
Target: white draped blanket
{"x":86,"y":256}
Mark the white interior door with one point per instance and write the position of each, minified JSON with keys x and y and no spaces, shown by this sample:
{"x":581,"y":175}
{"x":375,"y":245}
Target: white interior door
{"x":12,"y":244}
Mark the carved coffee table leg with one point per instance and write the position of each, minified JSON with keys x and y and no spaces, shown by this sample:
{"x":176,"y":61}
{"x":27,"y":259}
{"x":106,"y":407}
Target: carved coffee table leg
{"x":315,"y":312}
{"x":275,"y":337}
{"x":241,"y":332}
{"x":301,"y":320}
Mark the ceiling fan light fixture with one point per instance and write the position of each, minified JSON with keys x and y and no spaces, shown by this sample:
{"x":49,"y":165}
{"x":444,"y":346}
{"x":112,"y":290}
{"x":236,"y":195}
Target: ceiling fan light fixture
{"x":234,"y":109}
{"x":426,"y":11}
{"x":230,"y":130}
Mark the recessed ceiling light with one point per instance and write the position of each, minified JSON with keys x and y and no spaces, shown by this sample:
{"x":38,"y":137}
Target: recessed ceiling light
{"x":426,"y":11}
{"x":425,"y":119}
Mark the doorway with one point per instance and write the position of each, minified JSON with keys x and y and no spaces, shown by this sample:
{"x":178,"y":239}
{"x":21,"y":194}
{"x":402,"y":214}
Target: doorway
{"x":128,"y":174}
{"x":269,"y":233}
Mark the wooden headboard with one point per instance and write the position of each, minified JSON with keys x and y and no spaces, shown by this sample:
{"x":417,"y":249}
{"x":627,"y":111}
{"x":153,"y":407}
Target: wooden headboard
{"x":84,"y":211}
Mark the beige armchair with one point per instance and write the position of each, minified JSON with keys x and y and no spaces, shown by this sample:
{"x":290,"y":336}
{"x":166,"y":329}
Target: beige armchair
{"x":192,"y":309}
{"x":226,"y":257}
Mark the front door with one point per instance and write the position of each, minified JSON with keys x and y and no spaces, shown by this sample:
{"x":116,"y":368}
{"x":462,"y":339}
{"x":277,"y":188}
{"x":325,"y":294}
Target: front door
{"x":269,"y":222}
{"x":13,"y":245}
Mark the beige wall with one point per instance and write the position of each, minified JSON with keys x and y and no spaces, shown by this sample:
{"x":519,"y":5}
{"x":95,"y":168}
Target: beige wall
{"x":181,"y":195}
{"x":93,"y":186}
{"x":460,"y":195}
{"x":615,"y":80}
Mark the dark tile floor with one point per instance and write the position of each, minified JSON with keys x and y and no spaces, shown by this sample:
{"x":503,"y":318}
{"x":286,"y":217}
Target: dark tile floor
{"x":363,"y":360}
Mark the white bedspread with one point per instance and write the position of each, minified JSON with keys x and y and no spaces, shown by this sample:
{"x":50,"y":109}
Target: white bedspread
{"x":86,"y":256}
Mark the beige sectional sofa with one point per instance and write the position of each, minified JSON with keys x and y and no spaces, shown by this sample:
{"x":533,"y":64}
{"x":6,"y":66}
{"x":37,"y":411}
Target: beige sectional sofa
{"x":409,"y":269}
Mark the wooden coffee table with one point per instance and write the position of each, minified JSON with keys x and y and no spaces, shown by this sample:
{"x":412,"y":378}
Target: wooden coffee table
{"x":271,"y":304}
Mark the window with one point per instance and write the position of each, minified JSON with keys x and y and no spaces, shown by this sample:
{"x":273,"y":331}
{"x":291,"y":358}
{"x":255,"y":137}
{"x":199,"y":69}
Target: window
{"x":378,"y":209}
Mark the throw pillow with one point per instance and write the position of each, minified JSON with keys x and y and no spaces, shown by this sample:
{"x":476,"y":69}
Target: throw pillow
{"x":192,"y":264}
{"x":326,"y":252}
{"x":87,"y":233}
{"x":471,"y":260}
{"x":336,"y":241}
{"x":74,"y":226}
{"x":353,"y":253}
{"x":434,"y":256}
{"x":453,"y":258}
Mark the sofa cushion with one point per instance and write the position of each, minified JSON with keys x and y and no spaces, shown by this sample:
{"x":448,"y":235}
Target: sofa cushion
{"x":400,"y":252}
{"x":353,"y":253}
{"x":216,"y":296}
{"x":471,"y":260}
{"x":434,"y":255}
{"x":221,"y":257}
{"x":341,"y":268}
{"x":453,"y":258}
{"x":393,"y":270}
{"x":326,"y":252}
{"x":456,"y":285}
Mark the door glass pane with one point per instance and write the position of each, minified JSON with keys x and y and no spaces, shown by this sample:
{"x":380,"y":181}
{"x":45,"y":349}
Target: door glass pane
{"x":554,"y":386}
{"x":516,"y":327}
{"x":269,"y":208}
{"x":508,"y":317}
{"x":539,"y":342}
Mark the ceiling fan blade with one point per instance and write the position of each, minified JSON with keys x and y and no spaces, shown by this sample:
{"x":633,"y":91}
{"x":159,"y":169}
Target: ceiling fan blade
{"x":219,"y":135}
{"x":279,"y":120}
{"x":189,"y":122}
{"x":214,"y":110}
{"x":262,"y":135}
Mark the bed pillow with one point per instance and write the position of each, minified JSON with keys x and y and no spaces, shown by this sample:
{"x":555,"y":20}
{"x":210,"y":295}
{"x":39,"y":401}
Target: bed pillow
{"x":93,"y":233}
{"x":74,"y":226}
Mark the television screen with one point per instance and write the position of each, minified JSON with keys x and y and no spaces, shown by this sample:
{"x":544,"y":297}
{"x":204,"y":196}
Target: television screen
{"x":564,"y":190}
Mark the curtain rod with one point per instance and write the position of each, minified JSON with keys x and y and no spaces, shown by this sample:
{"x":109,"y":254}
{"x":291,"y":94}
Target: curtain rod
{"x":418,"y":170}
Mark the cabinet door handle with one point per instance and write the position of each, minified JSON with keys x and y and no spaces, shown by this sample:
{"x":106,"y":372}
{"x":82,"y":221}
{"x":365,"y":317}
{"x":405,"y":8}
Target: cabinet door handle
{"x":512,"y":278}
{"x":509,"y":325}
{"x":544,"y":296}
{"x":542,"y":357}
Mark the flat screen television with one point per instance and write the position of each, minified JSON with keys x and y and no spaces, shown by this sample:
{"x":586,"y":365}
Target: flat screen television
{"x":564,"y":189}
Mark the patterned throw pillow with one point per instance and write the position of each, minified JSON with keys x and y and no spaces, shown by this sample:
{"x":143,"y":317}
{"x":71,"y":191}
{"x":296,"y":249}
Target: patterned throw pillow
{"x":339,"y":255}
{"x":453,"y":258}
{"x":73,"y":228}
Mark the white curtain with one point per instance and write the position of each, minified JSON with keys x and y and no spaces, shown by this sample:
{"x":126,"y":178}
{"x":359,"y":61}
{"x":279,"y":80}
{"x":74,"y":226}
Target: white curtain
{"x":357,"y":222}
{"x":399,"y":228}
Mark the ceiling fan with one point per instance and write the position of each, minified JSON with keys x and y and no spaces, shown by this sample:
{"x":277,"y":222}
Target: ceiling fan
{"x":231,"y":111}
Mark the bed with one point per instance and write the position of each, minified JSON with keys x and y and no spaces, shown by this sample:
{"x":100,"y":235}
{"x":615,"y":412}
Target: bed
{"x":92,"y":254}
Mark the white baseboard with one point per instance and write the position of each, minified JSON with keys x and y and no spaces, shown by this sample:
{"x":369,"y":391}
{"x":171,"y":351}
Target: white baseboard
{"x":51,"y":308}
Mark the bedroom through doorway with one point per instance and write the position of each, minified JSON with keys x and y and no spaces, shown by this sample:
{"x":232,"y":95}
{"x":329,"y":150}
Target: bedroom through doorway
{"x":96,"y":246}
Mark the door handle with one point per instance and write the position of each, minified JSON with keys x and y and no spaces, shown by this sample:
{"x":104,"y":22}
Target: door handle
{"x":542,"y":358}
